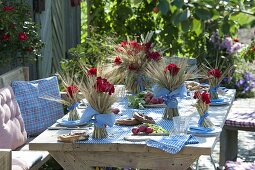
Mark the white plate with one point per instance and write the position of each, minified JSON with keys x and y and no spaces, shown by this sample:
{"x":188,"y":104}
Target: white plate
{"x":70,"y":123}
{"x":216,"y":130}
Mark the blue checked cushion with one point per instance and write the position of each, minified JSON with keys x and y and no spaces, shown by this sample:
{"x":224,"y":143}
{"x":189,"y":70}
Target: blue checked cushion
{"x":38,"y":113}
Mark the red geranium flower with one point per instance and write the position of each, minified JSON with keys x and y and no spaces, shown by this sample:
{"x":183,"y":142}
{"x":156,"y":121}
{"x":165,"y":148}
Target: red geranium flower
{"x":172,"y":68}
{"x":132,"y":67}
{"x":92,"y":71}
{"x":135,"y":45}
{"x":117,"y":60}
{"x":147,"y":46}
{"x":253,"y":49}
{"x":197,"y":95}
{"x":215,"y":73}
{"x":205,"y":97}
{"x":102,"y":85}
{"x":23,"y":36}
{"x":154,"y":56}
{"x":8,"y":8}
{"x":123,"y":44}
{"x":5,"y":37}
{"x":71,"y":90}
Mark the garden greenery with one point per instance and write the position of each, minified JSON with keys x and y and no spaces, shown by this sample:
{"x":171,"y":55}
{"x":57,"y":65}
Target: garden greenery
{"x":184,"y":27}
{"x":19,"y":35}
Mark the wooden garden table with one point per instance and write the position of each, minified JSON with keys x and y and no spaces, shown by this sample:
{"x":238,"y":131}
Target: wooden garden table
{"x":120,"y":153}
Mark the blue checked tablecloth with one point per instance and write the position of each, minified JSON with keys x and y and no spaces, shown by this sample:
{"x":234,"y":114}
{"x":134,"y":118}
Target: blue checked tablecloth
{"x":172,"y":144}
{"x":117,"y":133}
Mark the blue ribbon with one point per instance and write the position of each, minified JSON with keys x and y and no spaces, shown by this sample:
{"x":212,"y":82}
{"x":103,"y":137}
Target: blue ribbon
{"x":214,"y":89}
{"x":170,"y":96}
{"x":90,"y":115}
{"x":73,"y":106}
{"x":202,"y":118}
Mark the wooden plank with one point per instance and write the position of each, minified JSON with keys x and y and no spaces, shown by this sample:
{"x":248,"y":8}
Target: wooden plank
{"x":58,"y":37}
{"x":251,"y":129}
{"x":20,"y":73}
{"x":45,"y":21}
{"x":5,"y":159}
{"x":79,"y":160}
{"x":228,"y":145}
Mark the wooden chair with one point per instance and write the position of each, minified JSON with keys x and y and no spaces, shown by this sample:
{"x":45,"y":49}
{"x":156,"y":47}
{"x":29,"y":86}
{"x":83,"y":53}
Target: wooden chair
{"x":7,"y":155}
{"x":20,"y":73}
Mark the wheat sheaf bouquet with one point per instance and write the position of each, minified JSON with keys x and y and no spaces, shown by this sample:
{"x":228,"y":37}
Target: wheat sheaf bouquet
{"x":99,"y":93}
{"x":71,"y":96}
{"x":129,"y":61}
{"x":202,"y":105}
{"x":215,"y":75}
{"x":169,"y":81}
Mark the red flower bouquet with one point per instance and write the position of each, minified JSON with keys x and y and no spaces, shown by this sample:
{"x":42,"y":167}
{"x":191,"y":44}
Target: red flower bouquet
{"x":215,"y":77}
{"x":99,"y":93}
{"x":170,"y":78}
{"x":202,"y":105}
{"x":129,"y":61}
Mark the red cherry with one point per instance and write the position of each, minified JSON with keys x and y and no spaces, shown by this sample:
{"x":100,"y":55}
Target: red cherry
{"x":135,"y":131}
{"x":149,"y":130}
{"x":142,"y":128}
{"x":154,"y":100}
{"x":155,"y":10}
{"x":115,"y":110}
{"x":160,"y":100}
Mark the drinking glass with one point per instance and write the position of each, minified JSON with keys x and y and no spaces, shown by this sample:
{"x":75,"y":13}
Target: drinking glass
{"x":120,"y":90}
{"x":181,"y":124}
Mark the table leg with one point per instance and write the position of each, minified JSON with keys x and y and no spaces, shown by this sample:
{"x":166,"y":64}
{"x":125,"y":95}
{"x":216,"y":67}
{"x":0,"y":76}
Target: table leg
{"x":228,"y":145}
{"x":68,"y":162}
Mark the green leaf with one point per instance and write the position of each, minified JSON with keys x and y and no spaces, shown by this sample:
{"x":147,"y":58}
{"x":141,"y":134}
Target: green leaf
{"x":203,"y":14}
{"x":196,"y":26}
{"x":178,"y":3}
{"x":225,"y":27}
{"x":184,"y":15}
{"x":186,"y":25}
{"x":163,"y":6}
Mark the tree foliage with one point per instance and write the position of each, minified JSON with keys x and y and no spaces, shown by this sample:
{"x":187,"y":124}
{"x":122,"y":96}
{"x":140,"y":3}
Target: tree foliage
{"x":182,"y":25}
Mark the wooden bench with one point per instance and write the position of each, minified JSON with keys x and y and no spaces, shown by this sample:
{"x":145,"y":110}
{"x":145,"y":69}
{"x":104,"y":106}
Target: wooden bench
{"x":6,"y":155}
{"x":229,"y":135}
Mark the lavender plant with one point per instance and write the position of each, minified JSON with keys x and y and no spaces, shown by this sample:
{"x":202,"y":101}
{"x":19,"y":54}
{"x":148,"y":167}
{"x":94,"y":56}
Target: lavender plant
{"x":245,"y":85}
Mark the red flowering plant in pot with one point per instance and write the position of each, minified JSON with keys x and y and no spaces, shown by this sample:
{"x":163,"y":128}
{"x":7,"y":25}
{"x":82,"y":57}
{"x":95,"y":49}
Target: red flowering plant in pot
{"x":169,"y":79}
{"x":202,"y":105}
{"x":19,"y":38}
{"x":100,"y":94}
{"x":129,"y":61}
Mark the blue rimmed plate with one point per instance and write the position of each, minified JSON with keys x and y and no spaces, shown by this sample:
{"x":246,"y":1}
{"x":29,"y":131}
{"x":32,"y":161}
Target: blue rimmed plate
{"x":219,"y":102}
{"x":202,"y":131}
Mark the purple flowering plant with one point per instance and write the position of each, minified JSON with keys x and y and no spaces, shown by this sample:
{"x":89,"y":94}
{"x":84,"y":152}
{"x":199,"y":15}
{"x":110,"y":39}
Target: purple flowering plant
{"x":245,"y":85}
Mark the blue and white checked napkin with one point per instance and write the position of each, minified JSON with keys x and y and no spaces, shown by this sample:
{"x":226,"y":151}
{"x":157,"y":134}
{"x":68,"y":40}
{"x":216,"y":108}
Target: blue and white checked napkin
{"x":172,"y":144}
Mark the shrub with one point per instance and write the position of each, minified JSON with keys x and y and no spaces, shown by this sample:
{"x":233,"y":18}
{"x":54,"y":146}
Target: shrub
{"x":19,"y":39}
